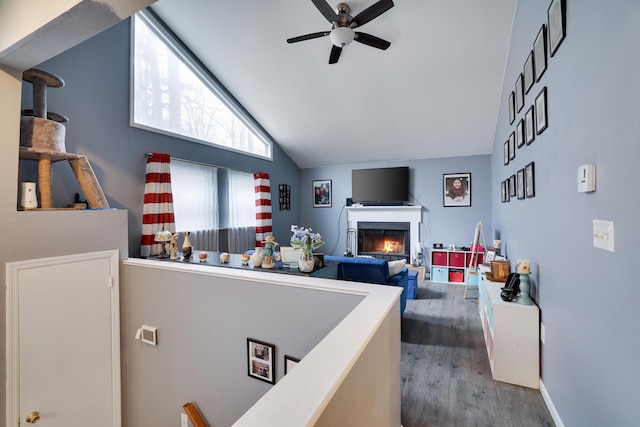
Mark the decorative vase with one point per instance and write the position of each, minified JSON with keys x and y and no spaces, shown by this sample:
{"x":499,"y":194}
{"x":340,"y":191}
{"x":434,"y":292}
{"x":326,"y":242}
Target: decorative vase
{"x":306,"y":262}
{"x":187,"y":249}
{"x":258,"y":255}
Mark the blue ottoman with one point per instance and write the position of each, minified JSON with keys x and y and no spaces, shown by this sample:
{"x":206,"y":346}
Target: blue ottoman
{"x":412,"y":288}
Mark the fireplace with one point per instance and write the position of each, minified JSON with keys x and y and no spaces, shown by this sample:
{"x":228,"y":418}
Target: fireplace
{"x":398,"y":224}
{"x":385,"y":240}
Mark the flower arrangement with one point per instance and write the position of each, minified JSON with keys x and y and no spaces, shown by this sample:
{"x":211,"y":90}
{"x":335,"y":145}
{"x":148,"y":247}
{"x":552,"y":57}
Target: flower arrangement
{"x":305,"y":239}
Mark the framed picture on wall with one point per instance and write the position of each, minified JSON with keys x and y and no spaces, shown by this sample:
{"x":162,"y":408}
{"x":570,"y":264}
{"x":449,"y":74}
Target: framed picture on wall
{"x":557,"y":24}
{"x":527,"y":72}
{"x":322,"y":193}
{"x":520,"y":183}
{"x":260,"y":356}
{"x":512,"y":185}
{"x":457,"y":189}
{"x":541,"y":111}
{"x":519,"y":93}
{"x":506,"y":153}
{"x":289,"y":363}
{"x":529,"y":133}
{"x":507,"y":197}
{"x":503,"y":193}
{"x":512,"y":146}
{"x":540,"y":52}
{"x":529,"y":180}
{"x":520,"y":133}
{"x":512,"y":107}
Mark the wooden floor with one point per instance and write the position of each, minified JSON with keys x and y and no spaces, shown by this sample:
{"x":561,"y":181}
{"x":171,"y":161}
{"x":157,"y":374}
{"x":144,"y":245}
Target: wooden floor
{"x":446,"y":378}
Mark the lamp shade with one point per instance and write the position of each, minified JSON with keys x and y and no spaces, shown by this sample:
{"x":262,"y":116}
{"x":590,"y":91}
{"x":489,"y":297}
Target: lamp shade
{"x":163,"y":236}
{"x":341,"y":36}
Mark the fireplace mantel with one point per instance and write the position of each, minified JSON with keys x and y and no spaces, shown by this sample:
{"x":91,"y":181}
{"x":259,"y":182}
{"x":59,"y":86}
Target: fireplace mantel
{"x":410,"y":214}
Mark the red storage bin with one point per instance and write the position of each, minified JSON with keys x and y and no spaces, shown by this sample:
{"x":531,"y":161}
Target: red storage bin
{"x":456,"y":259}
{"x":456,"y":276}
{"x":468,"y":260}
{"x":439,"y":258}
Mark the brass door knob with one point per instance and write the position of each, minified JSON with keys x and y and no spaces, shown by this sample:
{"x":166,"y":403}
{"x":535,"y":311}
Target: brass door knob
{"x":33,"y":417}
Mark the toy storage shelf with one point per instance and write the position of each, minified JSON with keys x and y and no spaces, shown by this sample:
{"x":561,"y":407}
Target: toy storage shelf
{"x":511,"y":334}
{"x":450,"y":266}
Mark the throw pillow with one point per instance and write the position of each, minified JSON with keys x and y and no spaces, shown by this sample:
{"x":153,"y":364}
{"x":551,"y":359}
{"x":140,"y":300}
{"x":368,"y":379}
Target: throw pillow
{"x":396,"y":267}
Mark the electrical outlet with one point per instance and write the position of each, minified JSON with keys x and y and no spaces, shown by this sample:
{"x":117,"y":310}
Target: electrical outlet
{"x":184,"y":420}
{"x":542,"y":333}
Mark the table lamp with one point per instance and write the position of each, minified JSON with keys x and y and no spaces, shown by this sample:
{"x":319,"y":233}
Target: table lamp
{"x":163,"y":237}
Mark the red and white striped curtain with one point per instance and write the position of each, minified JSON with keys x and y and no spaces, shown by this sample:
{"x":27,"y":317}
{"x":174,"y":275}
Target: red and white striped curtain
{"x":157,"y":212}
{"x":263,"y":206}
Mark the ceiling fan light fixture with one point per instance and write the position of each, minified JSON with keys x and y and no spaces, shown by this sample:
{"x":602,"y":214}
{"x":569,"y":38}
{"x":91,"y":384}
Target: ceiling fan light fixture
{"x":341,"y":36}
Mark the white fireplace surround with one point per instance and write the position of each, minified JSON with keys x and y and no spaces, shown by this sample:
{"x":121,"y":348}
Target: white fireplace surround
{"x":410,"y":214}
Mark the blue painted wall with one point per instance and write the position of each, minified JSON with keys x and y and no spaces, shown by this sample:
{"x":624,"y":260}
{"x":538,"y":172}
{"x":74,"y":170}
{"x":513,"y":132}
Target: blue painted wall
{"x":587,"y":296}
{"x":96,"y":100}
{"x":439,"y":224}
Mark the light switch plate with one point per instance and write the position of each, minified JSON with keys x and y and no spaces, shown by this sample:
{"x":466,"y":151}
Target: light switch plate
{"x":603,"y":235}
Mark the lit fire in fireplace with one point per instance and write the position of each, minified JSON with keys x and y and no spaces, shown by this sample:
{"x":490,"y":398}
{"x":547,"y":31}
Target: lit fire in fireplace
{"x":391,"y":245}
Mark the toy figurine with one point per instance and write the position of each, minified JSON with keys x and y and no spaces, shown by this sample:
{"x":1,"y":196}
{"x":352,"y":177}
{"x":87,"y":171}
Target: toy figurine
{"x":173,"y":246}
{"x":269,"y":247}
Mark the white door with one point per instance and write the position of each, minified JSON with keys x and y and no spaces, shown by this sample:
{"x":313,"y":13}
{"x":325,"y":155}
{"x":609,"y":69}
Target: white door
{"x":63,"y":341}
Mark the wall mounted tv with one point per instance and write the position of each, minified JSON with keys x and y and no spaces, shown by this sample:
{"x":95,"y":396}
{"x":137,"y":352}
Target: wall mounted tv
{"x":380,"y":186}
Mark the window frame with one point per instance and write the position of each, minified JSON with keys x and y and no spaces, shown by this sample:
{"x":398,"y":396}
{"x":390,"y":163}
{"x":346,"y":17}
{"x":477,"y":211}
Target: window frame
{"x":195,"y":65}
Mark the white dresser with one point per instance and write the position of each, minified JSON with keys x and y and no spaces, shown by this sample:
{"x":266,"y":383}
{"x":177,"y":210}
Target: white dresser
{"x":512,"y":336}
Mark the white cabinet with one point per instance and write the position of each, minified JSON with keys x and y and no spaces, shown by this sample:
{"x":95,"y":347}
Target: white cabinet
{"x":511,"y":333}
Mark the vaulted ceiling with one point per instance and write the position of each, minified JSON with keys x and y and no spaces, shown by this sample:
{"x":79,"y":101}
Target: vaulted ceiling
{"x":435,"y":92}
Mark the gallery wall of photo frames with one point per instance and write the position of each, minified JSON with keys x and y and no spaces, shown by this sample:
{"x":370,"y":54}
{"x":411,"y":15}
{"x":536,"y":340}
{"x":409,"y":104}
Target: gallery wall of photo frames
{"x":533,"y":118}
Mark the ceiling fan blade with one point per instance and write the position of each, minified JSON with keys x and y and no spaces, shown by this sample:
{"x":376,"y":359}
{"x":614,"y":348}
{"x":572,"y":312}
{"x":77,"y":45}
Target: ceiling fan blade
{"x":308,"y":36}
{"x":372,"y":41}
{"x":335,"y":54}
{"x":371,"y":12}
{"x":326,"y":10}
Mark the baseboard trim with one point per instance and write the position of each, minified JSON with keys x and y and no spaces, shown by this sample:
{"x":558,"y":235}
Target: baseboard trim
{"x":552,"y":409}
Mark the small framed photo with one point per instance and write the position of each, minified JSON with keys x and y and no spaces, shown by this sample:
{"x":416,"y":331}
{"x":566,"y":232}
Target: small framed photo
{"x":457,"y":189}
{"x":520,"y":183}
{"x":260,"y":357}
{"x":512,"y":146}
{"x":507,"y":196}
{"x":512,"y":108}
{"x":519,"y":93}
{"x":527,"y":72}
{"x":540,"y":52}
{"x":506,"y":153}
{"x":557,"y":24}
{"x":541,"y":111}
{"x":512,"y":185}
{"x":529,"y":180}
{"x":289,"y":363}
{"x":529,"y":133}
{"x":503,"y":193}
{"x":489,"y":255}
{"x":520,"y":133}
{"x":322,"y":193}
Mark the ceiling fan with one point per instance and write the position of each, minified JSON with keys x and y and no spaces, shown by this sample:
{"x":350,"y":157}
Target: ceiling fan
{"x":342,"y":24}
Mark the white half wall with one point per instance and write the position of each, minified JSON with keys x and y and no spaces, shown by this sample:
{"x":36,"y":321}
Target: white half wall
{"x":347,"y":335}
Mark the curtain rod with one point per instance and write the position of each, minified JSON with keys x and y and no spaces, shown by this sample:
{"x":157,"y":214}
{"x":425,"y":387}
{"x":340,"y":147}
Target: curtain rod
{"x":148,"y":155}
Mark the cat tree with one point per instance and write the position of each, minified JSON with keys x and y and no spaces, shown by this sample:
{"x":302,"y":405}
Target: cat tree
{"x":42,"y":138}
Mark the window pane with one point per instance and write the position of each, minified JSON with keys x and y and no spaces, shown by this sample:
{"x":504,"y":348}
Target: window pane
{"x":168,"y":95}
{"x":242,"y":200}
{"x":195,"y":195}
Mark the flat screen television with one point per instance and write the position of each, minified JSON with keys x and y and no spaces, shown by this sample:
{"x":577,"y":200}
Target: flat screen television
{"x":380,"y":185}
